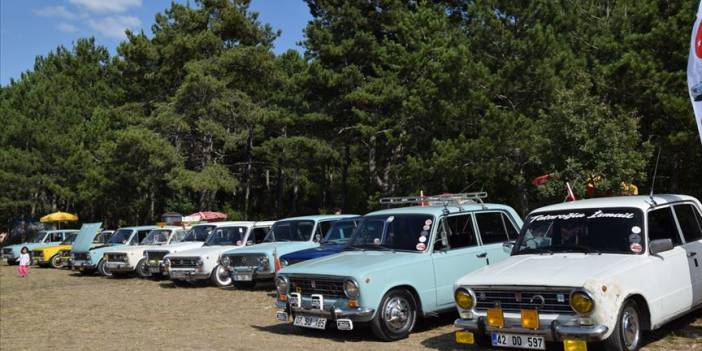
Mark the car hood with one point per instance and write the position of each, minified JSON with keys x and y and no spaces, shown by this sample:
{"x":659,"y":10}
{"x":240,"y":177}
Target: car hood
{"x":352,"y":263}
{"x":177,"y":247}
{"x":100,"y":250}
{"x":203,"y":251}
{"x":84,"y":240}
{"x":315,"y":252}
{"x":58,"y":247}
{"x":128,"y":248}
{"x":571,"y":269}
{"x":280,"y":248}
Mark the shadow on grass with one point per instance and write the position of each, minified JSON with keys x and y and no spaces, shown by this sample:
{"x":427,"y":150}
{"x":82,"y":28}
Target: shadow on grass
{"x":361,"y":333}
{"x":682,"y":327}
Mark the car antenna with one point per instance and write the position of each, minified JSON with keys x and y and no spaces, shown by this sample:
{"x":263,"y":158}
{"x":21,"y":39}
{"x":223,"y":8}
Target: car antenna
{"x":653,"y":181}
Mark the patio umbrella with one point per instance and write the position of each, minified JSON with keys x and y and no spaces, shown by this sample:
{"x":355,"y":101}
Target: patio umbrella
{"x":209,"y":216}
{"x":59,"y":217}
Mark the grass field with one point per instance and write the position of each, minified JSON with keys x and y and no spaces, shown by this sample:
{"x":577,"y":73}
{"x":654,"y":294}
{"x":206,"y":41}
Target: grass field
{"x":61,"y":310}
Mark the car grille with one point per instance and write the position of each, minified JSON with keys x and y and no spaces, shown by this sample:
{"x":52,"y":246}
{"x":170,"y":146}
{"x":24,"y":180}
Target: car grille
{"x":518,"y":298}
{"x":329,"y":288}
{"x":64,"y":253}
{"x":184,"y":262}
{"x":80,"y":256}
{"x":155,"y":255}
{"x":246,"y":260}
{"x":117,"y":257}
{"x":7,"y":251}
{"x":37,"y":254}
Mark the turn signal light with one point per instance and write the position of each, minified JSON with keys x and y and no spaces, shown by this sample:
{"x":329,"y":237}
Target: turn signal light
{"x":495,"y":317}
{"x":530,"y":319}
{"x":353,"y":303}
{"x":282,"y":297}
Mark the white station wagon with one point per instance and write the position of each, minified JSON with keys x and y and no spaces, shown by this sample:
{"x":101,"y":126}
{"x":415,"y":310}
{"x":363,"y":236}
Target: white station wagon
{"x":598,"y":270}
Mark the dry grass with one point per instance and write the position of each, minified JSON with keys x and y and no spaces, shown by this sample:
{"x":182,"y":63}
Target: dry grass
{"x":59,"y":309}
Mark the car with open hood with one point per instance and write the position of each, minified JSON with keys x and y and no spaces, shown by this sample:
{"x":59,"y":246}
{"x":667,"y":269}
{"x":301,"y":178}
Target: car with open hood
{"x":400,"y":265}
{"x":334,"y":241}
{"x":260,"y":262}
{"x":195,"y":238}
{"x":599,"y":270}
{"x":88,"y":259}
{"x":42,"y":238}
{"x":130,"y":259}
{"x":204,"y":263}
{"x":64,"y":254}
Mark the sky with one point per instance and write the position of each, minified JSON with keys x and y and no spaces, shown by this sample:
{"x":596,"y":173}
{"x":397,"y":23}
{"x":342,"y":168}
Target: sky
{"x":29,"y":28}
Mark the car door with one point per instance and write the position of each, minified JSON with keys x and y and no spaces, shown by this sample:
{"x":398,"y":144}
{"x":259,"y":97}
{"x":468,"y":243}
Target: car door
{"x":673,"y":294}
{"x":690,"y":222}
{"x":460,"y":256}
{"x":495,"y":228}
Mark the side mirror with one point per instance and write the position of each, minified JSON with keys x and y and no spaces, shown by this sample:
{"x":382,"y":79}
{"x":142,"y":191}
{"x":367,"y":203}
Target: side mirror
{"x":317,"y":238}
{"x":660,"y":245}
{"x":507,"y":246}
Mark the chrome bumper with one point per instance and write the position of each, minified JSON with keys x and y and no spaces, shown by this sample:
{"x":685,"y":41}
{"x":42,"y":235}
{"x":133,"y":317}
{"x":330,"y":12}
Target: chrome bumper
{"x":83,"y":265}
{"x":254,"y":272}
{"x":188,"y":275}
{"x":555,"y":331}
{"x":331,"y":312}
{"x":118,"y":267}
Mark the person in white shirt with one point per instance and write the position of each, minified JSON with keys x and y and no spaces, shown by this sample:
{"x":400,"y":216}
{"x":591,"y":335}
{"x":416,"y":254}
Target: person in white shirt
{"x":24,"y":262}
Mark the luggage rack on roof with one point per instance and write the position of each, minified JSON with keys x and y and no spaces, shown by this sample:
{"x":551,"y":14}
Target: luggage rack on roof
{"x":435,"y":200}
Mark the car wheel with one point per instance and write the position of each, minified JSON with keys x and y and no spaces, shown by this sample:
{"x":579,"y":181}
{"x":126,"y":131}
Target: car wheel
{"x":220,"y":277}
{"x":142,"y":270}
{"x":627,"y":333}
{"x":101,"y":269}
{"x":56,"y":262}
{"x":396,"y":316}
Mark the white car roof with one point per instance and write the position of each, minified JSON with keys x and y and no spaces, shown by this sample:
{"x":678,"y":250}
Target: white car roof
{"x":642,"y":202}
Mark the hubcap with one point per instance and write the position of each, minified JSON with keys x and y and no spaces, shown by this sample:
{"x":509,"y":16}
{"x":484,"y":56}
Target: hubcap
{"x":630,"y":327}
{"x":397,"y":313}
{"x":223,"y":276}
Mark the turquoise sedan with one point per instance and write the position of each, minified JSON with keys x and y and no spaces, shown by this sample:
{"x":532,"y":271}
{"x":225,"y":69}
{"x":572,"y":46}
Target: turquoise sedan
{"x":400,"y":264}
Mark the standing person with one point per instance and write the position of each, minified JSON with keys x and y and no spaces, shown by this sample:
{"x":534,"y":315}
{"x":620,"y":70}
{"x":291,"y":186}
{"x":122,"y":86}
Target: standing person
{"x":24,"y":262}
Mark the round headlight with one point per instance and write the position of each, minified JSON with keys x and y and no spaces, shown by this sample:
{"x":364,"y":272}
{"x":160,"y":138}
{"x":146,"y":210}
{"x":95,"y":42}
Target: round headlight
{"x":351,"y":289}
{"x":581,"y":302}
{"x":224,"y":261}
{"x":464,"y":299}
{"x":166,"y":261}
{"x":200,"y":262}
{"x":281,"y":284}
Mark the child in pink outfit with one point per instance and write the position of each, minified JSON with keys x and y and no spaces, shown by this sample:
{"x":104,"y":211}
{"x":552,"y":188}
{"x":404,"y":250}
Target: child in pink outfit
{"x":24,"y":262}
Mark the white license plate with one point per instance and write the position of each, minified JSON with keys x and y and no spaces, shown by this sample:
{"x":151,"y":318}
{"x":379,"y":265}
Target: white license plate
{"x":243,"y":277}
{"x":281,"y":316}
{"x":310,"y":322}
{"x":519,"y":341}
{"x":179,"y":274}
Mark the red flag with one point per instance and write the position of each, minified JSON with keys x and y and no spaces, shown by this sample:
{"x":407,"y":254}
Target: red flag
{"x":571,"y":195}
{"x":540,"y":179}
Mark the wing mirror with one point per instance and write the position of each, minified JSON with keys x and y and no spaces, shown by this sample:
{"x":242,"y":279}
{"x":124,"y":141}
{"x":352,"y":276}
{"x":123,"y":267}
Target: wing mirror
{"x":507,"y":246}
{"x":660,"y":245}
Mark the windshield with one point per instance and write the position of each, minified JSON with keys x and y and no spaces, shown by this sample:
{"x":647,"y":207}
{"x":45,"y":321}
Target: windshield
{"x":608,"y":230}
{"x":38,"y":237}
{"x":70,"y":239}
{"x":178,"y":236}
{"x":227,"y":236}
{"x":290,"y":231}
{"x":199,"y":233}
{"x":102,"y":237}
{"x":156,"y":237}
{"x":340,"y":232}
{"x":121,"y":236}
{"x":407,"y":232}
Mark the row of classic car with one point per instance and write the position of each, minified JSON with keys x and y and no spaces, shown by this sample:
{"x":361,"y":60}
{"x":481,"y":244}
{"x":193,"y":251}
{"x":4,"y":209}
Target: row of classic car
{"x":592,"y":271}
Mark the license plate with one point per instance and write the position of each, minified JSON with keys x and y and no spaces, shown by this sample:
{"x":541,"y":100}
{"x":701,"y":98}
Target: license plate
{"x":519,"y":341}
{"x":177,"y":274}
{"x":310,"y":322}
{"x":243,"y":277}
{"x":281,"y":316}
{"x":154,"y":269}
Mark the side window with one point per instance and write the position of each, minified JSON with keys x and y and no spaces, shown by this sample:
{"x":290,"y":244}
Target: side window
{"x":690,"y":222}
{"x":142,"y":234}
{"x":56,"y":236}
{"x":257,"y":235}
{"x":493,"y":227}
{"x":323,"y":228}
{"x":661,"y":225}
{"x":461,"y":233}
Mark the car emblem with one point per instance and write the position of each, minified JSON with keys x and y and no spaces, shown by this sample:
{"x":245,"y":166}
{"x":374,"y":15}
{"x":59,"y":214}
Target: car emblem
{"x":518,"y":297}
{"x":540,"y":299}
{"x":313,"y":284}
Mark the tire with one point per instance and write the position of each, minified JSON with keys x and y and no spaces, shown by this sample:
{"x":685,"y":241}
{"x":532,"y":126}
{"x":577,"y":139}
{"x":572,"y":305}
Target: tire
{"x":396,"y":315}
{"x":142,"y":270}
{"x":220,"y":277}
{"x":55,"y":262}
{"x":101,"y":269}
{"x":244,"y":285}
{"x":627,"y":334}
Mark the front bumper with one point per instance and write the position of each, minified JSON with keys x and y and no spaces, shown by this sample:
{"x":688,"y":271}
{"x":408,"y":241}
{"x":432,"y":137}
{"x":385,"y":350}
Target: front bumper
{"x":237,"y":273}
{"x":157,"y":268}
{"x":189,"y":275}
{"x":329,"y":310}
{"x":554,"y":331}
{"x":112,"y":266}
{"x":83,"y":265}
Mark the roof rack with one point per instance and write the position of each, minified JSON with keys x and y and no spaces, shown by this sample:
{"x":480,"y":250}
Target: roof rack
{"x":434,"y":200}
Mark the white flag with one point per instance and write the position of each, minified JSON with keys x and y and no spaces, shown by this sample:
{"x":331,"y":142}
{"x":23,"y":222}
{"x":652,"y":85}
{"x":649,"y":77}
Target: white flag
{"x":694,"y":70}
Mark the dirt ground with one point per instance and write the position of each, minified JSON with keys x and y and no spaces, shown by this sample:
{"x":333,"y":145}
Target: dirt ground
{"x":59,"y":309}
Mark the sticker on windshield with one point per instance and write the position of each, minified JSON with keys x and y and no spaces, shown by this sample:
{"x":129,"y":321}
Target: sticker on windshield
{"x":634,"y":238}
{"x":390,"y":219}
{"x":428,"y":222}
{"x":636,"y":229}
{"x":635,"y":248}
{"x":421,"y":247}
{"x":376,"y":241}
{"x":426,"y":227}
{"x":424,"y":233}
{"x":422,"y":239}
{"x":577,"y":215}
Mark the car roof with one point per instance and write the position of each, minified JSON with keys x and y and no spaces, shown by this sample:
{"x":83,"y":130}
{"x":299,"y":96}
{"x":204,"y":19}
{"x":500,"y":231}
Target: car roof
{"x":60,"y":230}
{"x":140,"y":227}
{"x":438,"y":210}
{"x":319,"y":217}
{"x":642,"y":202}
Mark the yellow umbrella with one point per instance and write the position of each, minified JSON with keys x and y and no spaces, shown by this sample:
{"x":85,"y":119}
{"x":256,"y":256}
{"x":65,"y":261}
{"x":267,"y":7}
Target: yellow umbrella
{"x":59,"y":217}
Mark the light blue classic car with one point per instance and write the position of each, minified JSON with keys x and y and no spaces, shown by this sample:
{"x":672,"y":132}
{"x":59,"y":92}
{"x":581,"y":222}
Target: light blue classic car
{"x":42,"y":238}
{"x":261,"y":261}
{"x":87,"y":258}
{"x":400,"y":264}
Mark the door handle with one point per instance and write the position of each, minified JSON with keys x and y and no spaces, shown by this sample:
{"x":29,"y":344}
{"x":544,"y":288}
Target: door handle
{"x":691,"y":254}
{"x":481,"y":255}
